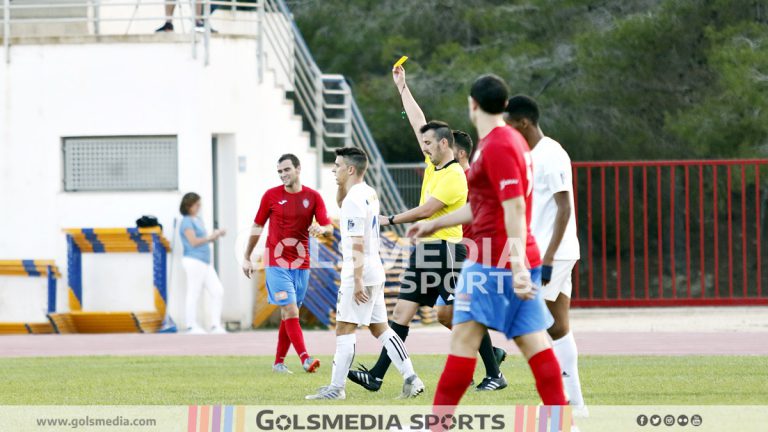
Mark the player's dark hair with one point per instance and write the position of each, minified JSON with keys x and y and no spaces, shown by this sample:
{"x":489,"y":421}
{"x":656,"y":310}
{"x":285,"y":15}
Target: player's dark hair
{"x":491,"y":93}
{"x":291,"y":157}
{"x":442,"y":130}
{"x":523,"y":107}
{"x":463,"y":141}
{"x":355,"y":157}
{"x":187,"y":201}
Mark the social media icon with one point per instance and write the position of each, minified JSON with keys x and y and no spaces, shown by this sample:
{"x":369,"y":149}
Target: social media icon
{"x":655,"y":420}
{"x":669,"y":420}
{"x":682,"y":420}
{"x":696,"y":420}
{"x":642,"y":420}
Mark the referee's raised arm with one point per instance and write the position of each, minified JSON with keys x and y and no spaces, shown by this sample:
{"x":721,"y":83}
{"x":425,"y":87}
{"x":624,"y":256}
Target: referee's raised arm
{"x":411,"y":108}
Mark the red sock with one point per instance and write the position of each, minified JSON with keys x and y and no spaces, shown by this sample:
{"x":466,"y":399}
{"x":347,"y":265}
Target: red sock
{"x":454,"y":381}
{"x":549,"y":380}
{"x":293,"y":329}
{"x":283,"y":344}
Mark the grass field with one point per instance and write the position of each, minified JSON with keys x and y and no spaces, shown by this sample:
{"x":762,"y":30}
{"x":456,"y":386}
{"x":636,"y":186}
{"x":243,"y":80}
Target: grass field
{"x":607,"y":380}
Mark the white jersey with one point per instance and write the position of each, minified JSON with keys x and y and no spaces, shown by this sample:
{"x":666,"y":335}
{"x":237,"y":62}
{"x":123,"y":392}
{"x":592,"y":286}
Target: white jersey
{"x":552,"y":174}
{"x":360,"y":218}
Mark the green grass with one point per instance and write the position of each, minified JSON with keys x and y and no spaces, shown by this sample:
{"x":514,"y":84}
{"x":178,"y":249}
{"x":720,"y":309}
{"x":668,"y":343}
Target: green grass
{"x":607,"y":380}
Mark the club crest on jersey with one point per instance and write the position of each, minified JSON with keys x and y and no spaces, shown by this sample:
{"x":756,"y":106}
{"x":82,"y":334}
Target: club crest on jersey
{"x":306,"y":203}
{"x":350,"y":224}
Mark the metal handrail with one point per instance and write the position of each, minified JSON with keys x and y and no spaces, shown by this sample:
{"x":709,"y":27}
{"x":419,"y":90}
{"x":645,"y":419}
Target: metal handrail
{"x":80,"y":4}
{"x":670,"y":163}
{"x":389,"y":193}
{"x":309,"y":86}
{"x":7,"y":30}
{"x":123,"y":4}
{"x":92,"y":17}
{"x":403,"y":165}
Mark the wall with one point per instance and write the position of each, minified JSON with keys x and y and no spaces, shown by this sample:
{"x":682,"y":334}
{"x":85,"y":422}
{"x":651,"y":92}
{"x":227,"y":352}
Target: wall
{"x":84,"y":88}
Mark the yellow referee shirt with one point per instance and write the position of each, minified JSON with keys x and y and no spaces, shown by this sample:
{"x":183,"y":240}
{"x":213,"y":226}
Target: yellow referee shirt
{"x":449,"y":186}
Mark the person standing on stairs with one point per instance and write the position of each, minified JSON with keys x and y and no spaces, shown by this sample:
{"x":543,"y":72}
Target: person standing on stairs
{"x":170,"y":7}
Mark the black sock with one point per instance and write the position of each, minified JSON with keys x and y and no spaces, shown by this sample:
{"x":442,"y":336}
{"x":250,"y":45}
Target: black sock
{"x":381,"y":366}
{"x":489,"y":359}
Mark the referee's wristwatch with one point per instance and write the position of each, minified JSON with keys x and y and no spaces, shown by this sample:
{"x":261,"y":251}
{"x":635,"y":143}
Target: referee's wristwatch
{"x":391,"y":219}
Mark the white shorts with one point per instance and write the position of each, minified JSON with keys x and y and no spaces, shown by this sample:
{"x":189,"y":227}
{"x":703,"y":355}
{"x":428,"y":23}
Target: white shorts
{"x":372,"y":311}
{"x":561,"y":280}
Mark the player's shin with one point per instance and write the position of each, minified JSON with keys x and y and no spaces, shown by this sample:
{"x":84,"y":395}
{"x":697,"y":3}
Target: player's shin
{"x":283,"y":344}
{"x":293,"y":328}
{"x":397,"y":353}
{"x":549,"y":383}
{"x":489,"y":359}
{"x":567,"y":355}
{"x":453,"y":383}
{"x":342,"y":359}
{"x":382,"y":364}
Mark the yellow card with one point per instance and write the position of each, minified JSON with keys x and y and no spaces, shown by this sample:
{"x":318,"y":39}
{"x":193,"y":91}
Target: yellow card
{"x":400,"y":62}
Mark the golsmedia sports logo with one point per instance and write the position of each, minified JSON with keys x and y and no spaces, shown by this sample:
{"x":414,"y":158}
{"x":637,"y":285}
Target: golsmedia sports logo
{"x":376,"y":418}
{"x":270,"y":420}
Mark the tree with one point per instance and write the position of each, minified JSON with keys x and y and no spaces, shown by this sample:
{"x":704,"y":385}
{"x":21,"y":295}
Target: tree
{"x":616,"y":80}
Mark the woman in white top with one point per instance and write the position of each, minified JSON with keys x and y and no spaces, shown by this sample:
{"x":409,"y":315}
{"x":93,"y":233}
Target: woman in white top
{"x":197,"y":266}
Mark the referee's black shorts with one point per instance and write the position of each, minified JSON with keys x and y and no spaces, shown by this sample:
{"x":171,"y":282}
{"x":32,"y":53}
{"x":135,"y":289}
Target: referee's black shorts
{"x":433,"y":270}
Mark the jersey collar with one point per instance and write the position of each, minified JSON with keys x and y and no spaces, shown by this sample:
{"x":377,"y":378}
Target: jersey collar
{"x":446,"y":165}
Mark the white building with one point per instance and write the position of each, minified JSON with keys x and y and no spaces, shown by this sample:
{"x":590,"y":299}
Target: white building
{"x":172,"y":117}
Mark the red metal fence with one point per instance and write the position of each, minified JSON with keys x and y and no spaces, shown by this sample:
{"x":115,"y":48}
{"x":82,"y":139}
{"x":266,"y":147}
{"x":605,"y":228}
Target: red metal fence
{"x":671,"y":233}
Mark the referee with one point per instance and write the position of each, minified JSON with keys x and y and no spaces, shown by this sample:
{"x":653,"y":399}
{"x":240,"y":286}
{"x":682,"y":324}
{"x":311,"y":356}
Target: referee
{"x":435,"y":263}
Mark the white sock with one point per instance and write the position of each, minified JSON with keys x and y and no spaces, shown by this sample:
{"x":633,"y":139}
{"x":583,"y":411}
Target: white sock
{"x":342,"y":360}
{"x":568,"y":356}
{"x":397,"y":352}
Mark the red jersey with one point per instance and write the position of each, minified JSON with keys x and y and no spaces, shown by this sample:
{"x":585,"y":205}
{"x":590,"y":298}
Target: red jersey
{"x":502,"y":170}
{"x":290,"y":216}
{"x":467,"y":228}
